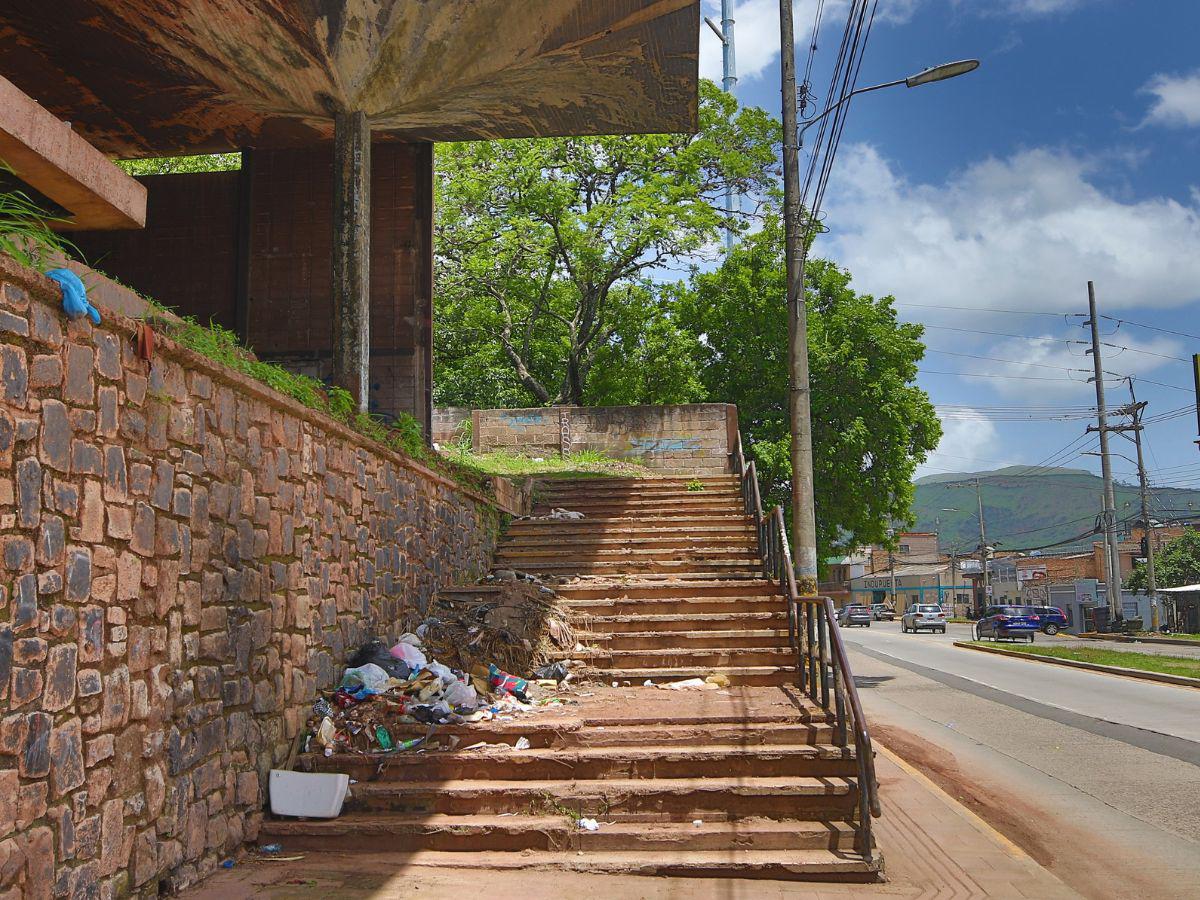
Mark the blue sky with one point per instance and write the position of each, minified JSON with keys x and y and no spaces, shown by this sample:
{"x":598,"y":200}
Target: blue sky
{"x":1070,"y":155}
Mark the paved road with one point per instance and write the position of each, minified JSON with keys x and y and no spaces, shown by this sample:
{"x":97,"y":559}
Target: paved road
{"x":1098,"y":777}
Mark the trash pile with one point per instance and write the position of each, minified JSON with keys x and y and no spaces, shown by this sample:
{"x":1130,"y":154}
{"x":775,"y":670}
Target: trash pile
{"x":513,"y":620}
{"x":384,"y":688}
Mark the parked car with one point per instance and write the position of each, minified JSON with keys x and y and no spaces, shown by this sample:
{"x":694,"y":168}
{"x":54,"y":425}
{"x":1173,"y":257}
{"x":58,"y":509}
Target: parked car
{"x":881,"y":612}
{"x":1053,"y":618}
{"x":854,"y":615}
{"x":1009,"y":622}
{"x":923,"y":615}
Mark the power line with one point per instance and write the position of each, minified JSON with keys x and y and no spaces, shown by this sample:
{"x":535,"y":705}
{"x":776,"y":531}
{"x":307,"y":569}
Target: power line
{"x":1183,"y":334}
{"x":990,"y":309}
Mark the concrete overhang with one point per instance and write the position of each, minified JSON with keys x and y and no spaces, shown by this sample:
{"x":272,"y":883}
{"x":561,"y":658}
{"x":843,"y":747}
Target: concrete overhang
{"x":147,"y":78}
{"x":47,"y":155}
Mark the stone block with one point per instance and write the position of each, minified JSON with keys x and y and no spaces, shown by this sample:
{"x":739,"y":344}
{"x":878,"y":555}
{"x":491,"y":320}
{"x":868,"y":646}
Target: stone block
{"x":14,"y":376}
{"x":31,"y":803}
{"x":91,"y":634}
{"x":79,"y":575}
{"x":79,"y":386}
{"x":34,"y":758}
{"x":61,"y":667}
{"x":54,"y":448}
{"x":66,"y":757}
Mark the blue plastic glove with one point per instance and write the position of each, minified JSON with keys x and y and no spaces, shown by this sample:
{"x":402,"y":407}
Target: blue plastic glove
{"x":75,"y":302}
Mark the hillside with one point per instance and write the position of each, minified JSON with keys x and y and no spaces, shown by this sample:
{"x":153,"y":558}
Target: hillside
{"x":1030,"y":510}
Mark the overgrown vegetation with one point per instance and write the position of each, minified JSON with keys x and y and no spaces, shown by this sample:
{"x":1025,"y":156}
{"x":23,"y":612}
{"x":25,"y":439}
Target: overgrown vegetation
{"x":25,"y":232}
{"x":586,"y":463}
{"x":1147,"y":662}
{"x":222,"y":345}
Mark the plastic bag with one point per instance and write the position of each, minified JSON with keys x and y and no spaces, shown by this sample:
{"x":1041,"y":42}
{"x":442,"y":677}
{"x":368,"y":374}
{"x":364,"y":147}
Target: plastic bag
{"x":410,"y":654}
{"x":443,"y":672}
{"x":370,"y":677}
{"x":460,"y":694}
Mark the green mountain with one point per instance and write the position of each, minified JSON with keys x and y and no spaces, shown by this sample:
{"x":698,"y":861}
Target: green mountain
{"x":1026,"y":508}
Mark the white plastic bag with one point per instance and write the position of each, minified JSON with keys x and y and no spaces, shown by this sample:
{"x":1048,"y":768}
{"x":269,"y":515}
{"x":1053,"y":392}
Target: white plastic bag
{"x":370,"y":676}
{"x":459,"y":695}
{"x":410,"y":654}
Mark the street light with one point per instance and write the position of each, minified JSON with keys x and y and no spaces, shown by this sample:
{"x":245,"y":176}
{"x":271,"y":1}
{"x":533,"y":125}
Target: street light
{"x":804,"y":520}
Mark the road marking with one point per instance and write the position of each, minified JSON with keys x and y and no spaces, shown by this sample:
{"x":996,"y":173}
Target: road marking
{"x":1013,"y":850}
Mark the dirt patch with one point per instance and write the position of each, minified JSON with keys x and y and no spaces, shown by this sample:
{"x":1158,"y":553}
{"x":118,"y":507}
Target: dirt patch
{"x":1085,"y":860}
{"x":1007,"y":814}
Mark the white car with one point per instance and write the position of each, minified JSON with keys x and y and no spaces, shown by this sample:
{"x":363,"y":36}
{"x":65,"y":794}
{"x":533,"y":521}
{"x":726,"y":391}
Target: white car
{"x":923,"y":615}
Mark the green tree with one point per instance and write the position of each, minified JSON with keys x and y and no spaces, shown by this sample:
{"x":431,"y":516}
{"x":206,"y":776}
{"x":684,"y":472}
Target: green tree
{"x":872,"y":425}
{"x":1176,"y":565}
{"x":544,"y":251}
{"x":171,"y":165}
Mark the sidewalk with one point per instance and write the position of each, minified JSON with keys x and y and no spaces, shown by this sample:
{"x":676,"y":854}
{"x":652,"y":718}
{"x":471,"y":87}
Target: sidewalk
{"x":933,"y":846}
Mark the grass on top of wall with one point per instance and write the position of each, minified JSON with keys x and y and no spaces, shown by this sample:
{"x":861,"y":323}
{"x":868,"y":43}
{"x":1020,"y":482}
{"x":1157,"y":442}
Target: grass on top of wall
{"x":585,"y":464}
{"x":401,"y":433}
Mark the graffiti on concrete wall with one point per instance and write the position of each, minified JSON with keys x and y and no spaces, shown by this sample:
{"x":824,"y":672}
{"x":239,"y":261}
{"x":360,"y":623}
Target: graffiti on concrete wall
{"x":662,"y":445}
{"x":521,"y":421}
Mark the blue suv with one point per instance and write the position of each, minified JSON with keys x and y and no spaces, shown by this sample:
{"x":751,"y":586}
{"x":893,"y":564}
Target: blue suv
{"x":1053,"y":619}
{"x":1008,"y":622}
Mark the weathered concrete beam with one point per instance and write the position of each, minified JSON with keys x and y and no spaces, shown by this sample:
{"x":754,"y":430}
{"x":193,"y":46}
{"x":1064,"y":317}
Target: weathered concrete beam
{"x":352,"y":254}
{"x":47,"y":155}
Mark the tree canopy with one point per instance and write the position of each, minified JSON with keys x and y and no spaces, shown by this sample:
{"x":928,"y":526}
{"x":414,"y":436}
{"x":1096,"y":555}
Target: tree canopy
{"x":872,"y":425}
{"x":1176,"y":565}
{"x":544,"y":250}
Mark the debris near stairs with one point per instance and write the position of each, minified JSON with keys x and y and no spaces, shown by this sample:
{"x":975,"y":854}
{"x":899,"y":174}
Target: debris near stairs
{"x":384,"y":692}
{"x":510,"y":619}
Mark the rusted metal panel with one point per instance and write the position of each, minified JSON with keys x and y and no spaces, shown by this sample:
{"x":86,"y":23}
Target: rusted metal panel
{"x":145,"y":77}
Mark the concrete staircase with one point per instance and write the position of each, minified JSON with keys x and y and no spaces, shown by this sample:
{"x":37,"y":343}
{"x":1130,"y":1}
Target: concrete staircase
{"x":746,"y":782}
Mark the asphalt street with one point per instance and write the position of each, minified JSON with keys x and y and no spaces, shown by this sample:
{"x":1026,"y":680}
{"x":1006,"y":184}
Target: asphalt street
{"x":1096,"y":776}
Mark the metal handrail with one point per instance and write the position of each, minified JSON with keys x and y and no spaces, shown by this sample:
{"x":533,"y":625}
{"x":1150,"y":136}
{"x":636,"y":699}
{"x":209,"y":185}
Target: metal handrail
{"x":822,"y":665}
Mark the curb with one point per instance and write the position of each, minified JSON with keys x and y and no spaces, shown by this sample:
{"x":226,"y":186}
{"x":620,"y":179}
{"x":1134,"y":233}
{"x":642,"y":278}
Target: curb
{"x":1135,"y":639}
{"x":1141,"y":674}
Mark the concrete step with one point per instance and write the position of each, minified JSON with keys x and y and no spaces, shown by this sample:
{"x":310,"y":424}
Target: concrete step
{"x":715,"y":606}
{"x":671,"y":540}
{"x":666,"y":588}
{"x":680,"y":657}
{"x":667,"y":525}
{"x":678,"y":799}
{"x":656,"y":622}
{"x":786,"y":865}
{"x":700,"y":567}
{"x":642,"y":762}
{"x":748,"y":675}
{"x":649,"y":509}
{"x":688,"y":640}
{"x":365,"y":833}
{"x":546,"y":492}
{"x":615,"y":552}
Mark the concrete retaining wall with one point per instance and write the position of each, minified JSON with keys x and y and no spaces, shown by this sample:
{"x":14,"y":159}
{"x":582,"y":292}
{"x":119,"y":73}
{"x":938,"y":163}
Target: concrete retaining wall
{"x":186,"y":558}
{"x":694,"y":438}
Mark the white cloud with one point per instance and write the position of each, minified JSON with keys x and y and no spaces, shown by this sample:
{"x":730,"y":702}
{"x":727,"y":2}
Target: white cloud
{"x":969,"y":444}
{"x":1176,"y":100}
{"x":1027,"y":232}
{"x":756,"y":28}
{"x":1053,"y":366}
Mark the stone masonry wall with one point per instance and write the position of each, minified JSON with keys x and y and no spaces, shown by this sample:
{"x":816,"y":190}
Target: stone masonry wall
{"x":186,"y":557}
{"x":692,"y":439}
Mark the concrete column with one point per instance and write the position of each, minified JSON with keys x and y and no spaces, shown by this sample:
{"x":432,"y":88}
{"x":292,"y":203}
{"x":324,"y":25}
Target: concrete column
{"x":352,"y":254}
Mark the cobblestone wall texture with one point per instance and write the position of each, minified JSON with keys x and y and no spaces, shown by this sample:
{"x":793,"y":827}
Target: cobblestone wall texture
{"x":186,"y":557}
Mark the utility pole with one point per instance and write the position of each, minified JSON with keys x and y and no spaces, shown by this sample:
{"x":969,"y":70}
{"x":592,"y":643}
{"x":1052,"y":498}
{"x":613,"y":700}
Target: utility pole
{"x":892,"y":574}
{"x":728,"y":80}
{"x":1112,"y":580}
{"x":1151,"y":585}
{"x":983,"y":547}
{"x":804,"y":518}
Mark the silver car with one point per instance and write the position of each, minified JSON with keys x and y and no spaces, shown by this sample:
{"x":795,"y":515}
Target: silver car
{"x":923,"y":615}
{"x":854,"y":615}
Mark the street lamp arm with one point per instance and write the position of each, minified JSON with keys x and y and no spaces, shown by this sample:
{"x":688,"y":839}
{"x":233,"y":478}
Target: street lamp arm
{"x":843,"y":101}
